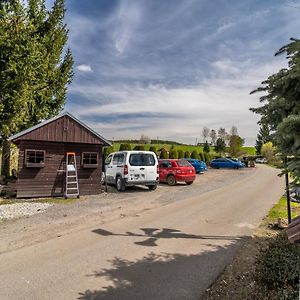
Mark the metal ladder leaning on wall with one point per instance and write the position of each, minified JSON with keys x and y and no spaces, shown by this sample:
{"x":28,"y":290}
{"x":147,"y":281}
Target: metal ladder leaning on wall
{"x":72,"y":188}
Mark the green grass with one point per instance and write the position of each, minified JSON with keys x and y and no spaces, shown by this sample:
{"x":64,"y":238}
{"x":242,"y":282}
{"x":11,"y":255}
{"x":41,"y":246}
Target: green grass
{"x":190,"y":148}
{"x":279,"y":210}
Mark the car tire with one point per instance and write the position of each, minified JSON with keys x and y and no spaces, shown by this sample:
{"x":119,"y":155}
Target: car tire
{"x":171,"y":180}
{"x":120,"y":184}
{"x":152,"y":187}
{"x":189,"y":182}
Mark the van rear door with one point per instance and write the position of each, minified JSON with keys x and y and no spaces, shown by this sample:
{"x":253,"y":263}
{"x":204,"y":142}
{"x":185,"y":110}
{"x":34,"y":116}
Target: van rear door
{"x":142,"y":167}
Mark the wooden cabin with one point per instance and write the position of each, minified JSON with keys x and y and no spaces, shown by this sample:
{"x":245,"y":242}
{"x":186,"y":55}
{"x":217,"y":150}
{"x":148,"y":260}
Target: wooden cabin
{"x":43,"y":150}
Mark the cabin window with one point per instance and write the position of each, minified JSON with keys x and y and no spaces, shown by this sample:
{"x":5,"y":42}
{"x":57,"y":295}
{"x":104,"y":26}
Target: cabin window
{"x":90,"y":159}
{"x":34,"y":158}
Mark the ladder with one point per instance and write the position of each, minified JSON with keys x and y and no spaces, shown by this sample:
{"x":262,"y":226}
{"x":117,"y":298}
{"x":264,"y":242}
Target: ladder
{"x":72,"y":189}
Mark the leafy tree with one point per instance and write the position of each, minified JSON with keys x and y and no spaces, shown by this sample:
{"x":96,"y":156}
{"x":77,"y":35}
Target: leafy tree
{"x":267,"y":151}
{"x":262,"y":137}
{"x":280,"y":108}
{"x":144,"y":139}
{"x":235,"y":144}
{"x":187,"y":154}
{"x":35,"y":67}
{"x":222,"y":133}
{"x":220,"y":146}
{"x":213,"y":136}
{"x":233,"y":130}
{"x":206,"y":147}
{"x":173,"y":154}
{"x":180,"y":154}
{"x":205,"y":133}
{"x":194,"y":155}
{"x":164,"y":154}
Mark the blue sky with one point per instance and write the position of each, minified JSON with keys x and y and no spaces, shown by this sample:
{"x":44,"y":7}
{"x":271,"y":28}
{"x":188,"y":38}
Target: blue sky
{"x":168,"y":68}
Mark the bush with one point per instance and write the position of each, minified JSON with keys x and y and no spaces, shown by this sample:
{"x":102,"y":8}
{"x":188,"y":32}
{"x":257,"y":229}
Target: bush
{"x":195,"y":155}
{"x":164,"y":154}
{"x":153,"y":149}
{"x":207,"y":157}
{"x":124,"y":147}
{"x":201,"y":155}
{"x":107,"y":151}
{"x":277,"y":268}
{"x":139,"y":147}
{"x":173,"y":154}
{"x":187,"y":154}
{"x":180,"y":154}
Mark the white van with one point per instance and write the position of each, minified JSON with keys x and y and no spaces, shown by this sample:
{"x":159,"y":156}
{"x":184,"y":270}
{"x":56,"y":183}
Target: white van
{"x":129,"y":168}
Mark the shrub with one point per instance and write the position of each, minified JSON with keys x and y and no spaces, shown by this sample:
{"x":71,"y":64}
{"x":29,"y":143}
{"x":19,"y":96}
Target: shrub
{"x":195,"y":155}
{"x":153,"y":149}
{"x":107,"y":151}
{"x":187,"y":154}
{"x":277,"y":267}
{"x":173,"y":153}
{"x":201,"y":155}
{"x":164,"y":154}
{"x":180,"y":154}
{"x":139,"y":147}
{"x":125,"y":147}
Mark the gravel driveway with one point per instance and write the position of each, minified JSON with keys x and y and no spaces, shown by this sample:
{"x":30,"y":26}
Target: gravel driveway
{"x":60,"y":219}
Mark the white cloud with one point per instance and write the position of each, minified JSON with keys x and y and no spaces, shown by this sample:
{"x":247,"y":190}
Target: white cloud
{"x":84,"y":68}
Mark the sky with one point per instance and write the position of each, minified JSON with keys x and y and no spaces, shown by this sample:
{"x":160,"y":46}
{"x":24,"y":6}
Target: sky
{"x":167,"y":68}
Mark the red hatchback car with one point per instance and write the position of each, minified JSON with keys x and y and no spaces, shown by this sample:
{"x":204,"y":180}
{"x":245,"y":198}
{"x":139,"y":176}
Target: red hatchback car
{"x":176,"y":170}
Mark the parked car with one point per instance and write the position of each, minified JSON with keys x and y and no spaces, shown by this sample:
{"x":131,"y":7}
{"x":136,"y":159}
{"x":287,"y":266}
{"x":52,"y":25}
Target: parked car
{"x":199,"y":165}
{"x":129,"y":168}
{"x":176,"y":170}
{"x":261,"y":160}
{"x":226,"y":163}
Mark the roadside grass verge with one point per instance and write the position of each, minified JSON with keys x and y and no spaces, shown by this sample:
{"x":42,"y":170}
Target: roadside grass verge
{"x":266,"y":267}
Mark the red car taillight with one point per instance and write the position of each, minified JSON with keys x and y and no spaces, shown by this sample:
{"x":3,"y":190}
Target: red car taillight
{"x":125,"y":170}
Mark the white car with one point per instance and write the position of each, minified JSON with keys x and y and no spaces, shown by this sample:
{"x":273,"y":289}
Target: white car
{"x":129,"y":168}
{"x":261,"y":160}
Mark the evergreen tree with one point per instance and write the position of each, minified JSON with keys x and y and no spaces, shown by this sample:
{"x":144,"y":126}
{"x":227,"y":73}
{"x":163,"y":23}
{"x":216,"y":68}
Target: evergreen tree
{"x":220,"y":146}
{"x":194,"y":155}
{"x":206,"y":147}
{"x":164,"y":154}
{"x":180,"y":154}
{"x":187,"y":154}
{"x":262,"y":137}
{"x":173,"y":154}
{"x":280,"y":109}
{"x":235,"y":144}
{"x":153,"y":149}
{"x":201,"y":155}
{"x":35,"y":67}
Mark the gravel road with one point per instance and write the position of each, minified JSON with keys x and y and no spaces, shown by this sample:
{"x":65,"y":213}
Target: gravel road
{"x":168,"y":244}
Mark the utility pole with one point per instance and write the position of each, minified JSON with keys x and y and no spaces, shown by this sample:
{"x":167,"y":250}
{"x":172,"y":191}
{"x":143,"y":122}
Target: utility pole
{"x":287,"y":188}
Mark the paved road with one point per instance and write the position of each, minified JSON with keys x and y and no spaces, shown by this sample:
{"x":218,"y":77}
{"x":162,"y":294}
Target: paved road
{"x":174,"y":251}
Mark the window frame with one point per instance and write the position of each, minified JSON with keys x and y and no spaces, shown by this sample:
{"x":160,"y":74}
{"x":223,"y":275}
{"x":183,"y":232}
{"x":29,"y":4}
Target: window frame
{"x":89,"y":165}
{"x":34,"y":165}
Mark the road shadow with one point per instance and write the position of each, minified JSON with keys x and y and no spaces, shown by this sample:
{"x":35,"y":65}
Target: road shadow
{"x":129,"y":189}
{"x":162,"y":276}
{"x":152,"y":235}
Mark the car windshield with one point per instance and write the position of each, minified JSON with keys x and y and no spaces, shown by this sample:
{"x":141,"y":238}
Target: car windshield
{"x":141,"y":159}
{"x":183,"y":163}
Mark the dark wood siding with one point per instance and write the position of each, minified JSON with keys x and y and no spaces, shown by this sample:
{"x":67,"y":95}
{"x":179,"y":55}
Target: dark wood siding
{"x":64,"y":129}
{"x":50,"y":180}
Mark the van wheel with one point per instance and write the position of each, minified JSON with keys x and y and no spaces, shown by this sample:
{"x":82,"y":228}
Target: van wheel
{"x":152,"y":187}
{"x":171,"y":180}
{"x":120,"y":184}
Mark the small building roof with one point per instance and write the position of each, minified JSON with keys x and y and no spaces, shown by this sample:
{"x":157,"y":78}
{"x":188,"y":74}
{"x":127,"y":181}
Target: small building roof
{"x":26,"y":134}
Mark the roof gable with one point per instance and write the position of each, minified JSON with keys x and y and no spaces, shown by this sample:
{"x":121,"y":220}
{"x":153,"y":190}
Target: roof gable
{"x":62,"y":128}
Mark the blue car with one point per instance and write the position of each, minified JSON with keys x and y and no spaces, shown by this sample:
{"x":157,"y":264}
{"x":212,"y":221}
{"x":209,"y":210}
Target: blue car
{"x":198,"y":165}
{"x":226,"y":163}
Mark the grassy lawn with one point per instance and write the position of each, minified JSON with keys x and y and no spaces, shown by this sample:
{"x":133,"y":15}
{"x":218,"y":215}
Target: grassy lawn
{"x":279,"y":210}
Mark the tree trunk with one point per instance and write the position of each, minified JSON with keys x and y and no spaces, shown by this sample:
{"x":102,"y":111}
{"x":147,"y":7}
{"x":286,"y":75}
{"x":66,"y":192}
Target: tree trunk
{"x":5,"y":162}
